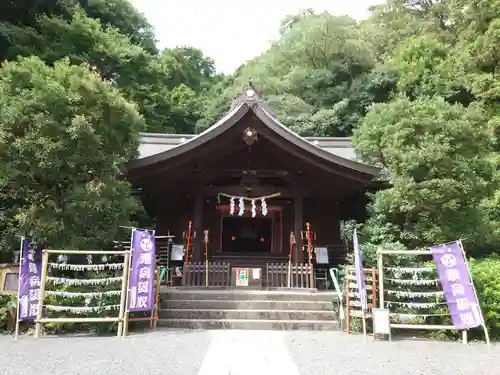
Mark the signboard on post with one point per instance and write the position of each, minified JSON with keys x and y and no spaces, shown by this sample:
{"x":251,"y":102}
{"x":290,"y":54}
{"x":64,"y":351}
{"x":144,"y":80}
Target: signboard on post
{"x":456,"y":281}
{"x":29,"y":280}
{"x":142,"y":271}
{"x":381,"y":322}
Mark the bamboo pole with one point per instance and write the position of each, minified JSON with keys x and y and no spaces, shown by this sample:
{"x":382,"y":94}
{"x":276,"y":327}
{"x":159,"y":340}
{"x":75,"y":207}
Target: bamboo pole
{"x":81,"y":320}
{"x":123,"y":296}
{"x":422,"y":326}
{"x":308,"y":234}
{"x":45,"y":258}
{"x":21,"y":258}
{"x":380,"y":264}
{"x":292,"y":242}
{"x":38,"y":321}
{"x":126,"y":312}
{"x":205,"y":239}
{"x":157,"y":299}
{"x":485,"y":329}
{"x":188,"y":242}
{"x":374,"y":287}
{"x":84,"y":252}
{"x":347,"y":301}
{"x":405,"y":252}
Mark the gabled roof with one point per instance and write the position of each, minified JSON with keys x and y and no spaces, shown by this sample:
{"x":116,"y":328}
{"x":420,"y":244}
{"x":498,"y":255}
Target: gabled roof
{"x":251,"y":101}
{"x":155,"y":143}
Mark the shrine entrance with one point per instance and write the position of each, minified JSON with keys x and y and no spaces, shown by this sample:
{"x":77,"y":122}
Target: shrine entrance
{"x":239,"y":193}
{"x":246,"y":234}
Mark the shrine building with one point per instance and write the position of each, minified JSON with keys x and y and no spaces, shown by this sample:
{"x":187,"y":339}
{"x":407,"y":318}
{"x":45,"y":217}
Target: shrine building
{"x":253,"y":184}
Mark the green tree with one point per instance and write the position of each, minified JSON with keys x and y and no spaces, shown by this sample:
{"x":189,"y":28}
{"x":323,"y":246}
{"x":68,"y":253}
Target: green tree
{"x":437,"y":158}
{"x":319,"y":76}
{"x":64,"y":133}
{"x":19,"y":20}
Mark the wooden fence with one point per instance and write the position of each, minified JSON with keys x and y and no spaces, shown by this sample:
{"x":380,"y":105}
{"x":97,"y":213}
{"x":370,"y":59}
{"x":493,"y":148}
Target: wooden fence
{"x":195,"y":274}
{"x":281,"y":275}
{"x":353,"y":302}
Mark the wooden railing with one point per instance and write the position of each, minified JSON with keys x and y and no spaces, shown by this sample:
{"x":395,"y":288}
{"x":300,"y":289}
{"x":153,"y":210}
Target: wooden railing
{"x":283,"y":275}
{"x":352,"y":298}
{"x":195,"y":274}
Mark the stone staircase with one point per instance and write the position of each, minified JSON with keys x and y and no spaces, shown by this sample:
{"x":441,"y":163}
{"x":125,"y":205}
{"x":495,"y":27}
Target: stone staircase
{"x":240,"y":308}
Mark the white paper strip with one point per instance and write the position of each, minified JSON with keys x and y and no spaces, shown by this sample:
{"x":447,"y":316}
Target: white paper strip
{"x":416,"y":305}
{"x":82,"y":310}
{"x":409,"y":270}
{"x":62,"y":280}
{"x":414,"y":282}
{"x":83,"y":294}
{"x":86,"y":267}
{"x":400,"y":293}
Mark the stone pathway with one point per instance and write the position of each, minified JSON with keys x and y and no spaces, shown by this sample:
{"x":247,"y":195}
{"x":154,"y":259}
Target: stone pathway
{"x":184,"y":352}
{"x":248,"y":353}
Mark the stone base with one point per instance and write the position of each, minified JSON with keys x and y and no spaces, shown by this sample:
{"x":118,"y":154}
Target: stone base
{"x":285,"y":309}
{"x":257,"y":324}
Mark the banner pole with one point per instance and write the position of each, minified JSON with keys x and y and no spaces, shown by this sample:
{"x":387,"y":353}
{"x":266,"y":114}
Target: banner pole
{"x":364,"y":324}
{"x":21,"y":258}
{"x":125,"y":312}
{"x":483,"y":323}
{"x":308,"y":232}
{"x":157,"y":299}
{"x":188,"y":242}
{"x":292,"y":241}
{"x":38,"y":323}
{"x":123,"y":297}
{"x":380,"y":266}
{"x":205,"y":233}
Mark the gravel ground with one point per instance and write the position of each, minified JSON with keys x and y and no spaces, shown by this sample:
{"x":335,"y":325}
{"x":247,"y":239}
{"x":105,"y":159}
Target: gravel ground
{"x":157,"y":353}
{"x":320,"y":353}
{"x":180,"y":352}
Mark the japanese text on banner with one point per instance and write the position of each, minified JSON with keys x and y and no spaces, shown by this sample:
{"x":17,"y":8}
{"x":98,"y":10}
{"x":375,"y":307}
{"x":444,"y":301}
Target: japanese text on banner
{"x":142,"y":275}
{"x":360,"y":274}
{"x":456,"y":282}
{"x":30,"y":278}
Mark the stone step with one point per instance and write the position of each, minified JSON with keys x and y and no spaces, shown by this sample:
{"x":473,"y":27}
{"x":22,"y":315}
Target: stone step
{"x":223,"y":294}
{"x":249,"y":305}
{"x":218,"y":314}
{"x":310,"y":325}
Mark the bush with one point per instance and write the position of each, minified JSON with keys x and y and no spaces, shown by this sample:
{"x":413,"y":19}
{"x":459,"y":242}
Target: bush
{"x":486,"y":276}
{"x":6,"y":303}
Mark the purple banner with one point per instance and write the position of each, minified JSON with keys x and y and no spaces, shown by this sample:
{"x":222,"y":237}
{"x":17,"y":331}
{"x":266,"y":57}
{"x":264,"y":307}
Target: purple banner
{"x":360,"y":274}
{"x":29,"y":280}
{"x":459,"y":292}
{"x":142,"y":271}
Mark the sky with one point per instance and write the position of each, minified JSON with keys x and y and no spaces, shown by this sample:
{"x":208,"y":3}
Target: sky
{"x":232,"y":32}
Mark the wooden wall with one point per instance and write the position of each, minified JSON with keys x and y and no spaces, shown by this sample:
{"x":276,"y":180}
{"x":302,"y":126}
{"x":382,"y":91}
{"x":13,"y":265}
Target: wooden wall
{"x":323,"y":215}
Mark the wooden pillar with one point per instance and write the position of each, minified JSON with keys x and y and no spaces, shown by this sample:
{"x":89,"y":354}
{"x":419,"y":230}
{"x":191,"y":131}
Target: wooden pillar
{"x":298,"y":218}
{"x":198,"y":227}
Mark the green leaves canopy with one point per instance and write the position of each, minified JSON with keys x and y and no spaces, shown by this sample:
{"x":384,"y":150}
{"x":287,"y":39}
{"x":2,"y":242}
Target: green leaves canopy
{"x":437,"y":158}
{"x":64,"y":132}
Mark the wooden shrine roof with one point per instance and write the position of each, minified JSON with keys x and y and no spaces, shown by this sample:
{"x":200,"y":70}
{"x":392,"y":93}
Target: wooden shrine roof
{"x":159,"y":148}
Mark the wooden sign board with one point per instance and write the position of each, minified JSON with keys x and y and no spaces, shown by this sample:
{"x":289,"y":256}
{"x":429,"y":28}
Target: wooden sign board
{"x":381,"y":322}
